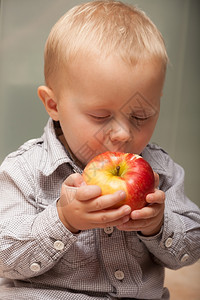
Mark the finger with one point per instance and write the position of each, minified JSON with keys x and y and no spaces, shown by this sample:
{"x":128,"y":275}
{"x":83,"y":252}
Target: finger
{"x":115,"y":223}
{"x":88,"y":192}
{"x":109,"y":216}
{"x":106,"y":201}
{"x":147,"y":212}
{"x":75,"y":180}
{"x":133,"y":225}
{"x":157,"y":197}
{"x":146,"y":226}
{"x":156,"y":177}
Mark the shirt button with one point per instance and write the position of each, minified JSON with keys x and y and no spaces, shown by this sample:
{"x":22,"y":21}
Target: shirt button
{"x":58,"y":245}
{"x":119,"y":275}
{"x":35,"y":267}
{"x":168,"y":242}
{"x":108,"y":230}
{"x":184,"y":257}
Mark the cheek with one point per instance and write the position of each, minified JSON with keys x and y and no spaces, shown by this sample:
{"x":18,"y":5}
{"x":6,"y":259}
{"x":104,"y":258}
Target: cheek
{"x":78,"y":132}
{"x":141,"y":136}
{"x":149,"y":128}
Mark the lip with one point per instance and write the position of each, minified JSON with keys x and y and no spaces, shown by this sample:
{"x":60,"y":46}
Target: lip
{"x":115,"y":147}
{"x":118,"y":149}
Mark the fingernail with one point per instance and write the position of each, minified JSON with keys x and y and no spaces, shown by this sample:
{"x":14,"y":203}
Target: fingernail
{"x":149,"y":197}
{"x":122,"y":194}
{"x":127,"y":209}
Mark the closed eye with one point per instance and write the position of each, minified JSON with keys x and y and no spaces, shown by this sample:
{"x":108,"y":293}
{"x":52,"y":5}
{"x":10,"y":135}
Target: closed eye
{"x":138,"y":118}
{"x":100,"y":118}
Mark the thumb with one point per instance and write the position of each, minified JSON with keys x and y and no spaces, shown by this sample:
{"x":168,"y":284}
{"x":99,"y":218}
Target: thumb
{"x":70,"y":186}
{"x":156,"y":177}
{"x":74,"y":180}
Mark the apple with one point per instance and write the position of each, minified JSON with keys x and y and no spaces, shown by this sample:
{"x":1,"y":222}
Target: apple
{"x":114,"y":171}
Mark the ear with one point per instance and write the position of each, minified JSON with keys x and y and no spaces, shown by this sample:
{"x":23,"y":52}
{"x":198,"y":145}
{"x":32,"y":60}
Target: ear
{"x":48,"y":98}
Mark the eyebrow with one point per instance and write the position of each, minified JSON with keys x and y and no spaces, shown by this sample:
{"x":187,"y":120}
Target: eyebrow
{"x":144,"y":111}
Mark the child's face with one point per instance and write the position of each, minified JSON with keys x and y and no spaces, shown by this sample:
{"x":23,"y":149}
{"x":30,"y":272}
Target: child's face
{"x":108,"y":106}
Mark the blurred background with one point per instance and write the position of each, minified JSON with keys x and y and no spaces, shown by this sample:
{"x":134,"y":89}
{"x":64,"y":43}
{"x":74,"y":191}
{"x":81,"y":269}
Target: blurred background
{"x":24,"y":27}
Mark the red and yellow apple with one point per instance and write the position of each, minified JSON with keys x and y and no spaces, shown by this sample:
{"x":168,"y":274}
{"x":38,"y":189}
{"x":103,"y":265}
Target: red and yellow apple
{"x":114,"y":171}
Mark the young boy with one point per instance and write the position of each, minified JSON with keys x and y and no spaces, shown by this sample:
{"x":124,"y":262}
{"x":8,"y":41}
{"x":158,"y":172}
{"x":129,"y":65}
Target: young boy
{"x":105,"y":65}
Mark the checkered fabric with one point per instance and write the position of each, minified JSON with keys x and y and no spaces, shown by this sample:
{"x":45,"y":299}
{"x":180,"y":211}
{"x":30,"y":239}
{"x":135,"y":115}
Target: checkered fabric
{"x":42,"y":260}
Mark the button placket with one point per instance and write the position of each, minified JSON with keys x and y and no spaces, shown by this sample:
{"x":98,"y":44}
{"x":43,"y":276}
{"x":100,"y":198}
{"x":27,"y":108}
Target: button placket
{"x":118,"y":271}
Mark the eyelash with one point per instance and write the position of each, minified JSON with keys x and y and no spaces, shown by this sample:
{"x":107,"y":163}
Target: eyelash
{"x":138,"y":119}
{"x":99,"y":118}
{"x":131,"y":117}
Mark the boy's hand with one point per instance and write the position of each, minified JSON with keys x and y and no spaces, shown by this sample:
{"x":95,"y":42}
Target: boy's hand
{"x":82,"y":207}
{"x":149,"y":219}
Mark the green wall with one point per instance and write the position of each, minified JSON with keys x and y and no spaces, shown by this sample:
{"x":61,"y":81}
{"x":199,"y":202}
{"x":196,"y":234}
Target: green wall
{"x":24,"y":27}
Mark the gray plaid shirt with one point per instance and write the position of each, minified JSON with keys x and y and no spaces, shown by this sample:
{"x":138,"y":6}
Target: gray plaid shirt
{"x":42,"y":260}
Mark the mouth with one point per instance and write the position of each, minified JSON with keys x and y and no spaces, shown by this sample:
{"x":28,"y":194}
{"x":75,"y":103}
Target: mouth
{"x":116,"y":148}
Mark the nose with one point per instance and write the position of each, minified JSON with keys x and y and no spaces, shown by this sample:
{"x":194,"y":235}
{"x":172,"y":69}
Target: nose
{"x":120,"y":132}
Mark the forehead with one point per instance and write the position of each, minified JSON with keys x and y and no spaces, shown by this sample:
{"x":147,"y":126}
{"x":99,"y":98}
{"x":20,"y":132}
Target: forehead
{"x":109,"y":83}
{"x":97,"y":74}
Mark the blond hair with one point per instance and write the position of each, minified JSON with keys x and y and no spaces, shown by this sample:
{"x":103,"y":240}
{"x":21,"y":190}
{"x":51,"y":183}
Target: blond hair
{"x":103,"y":27}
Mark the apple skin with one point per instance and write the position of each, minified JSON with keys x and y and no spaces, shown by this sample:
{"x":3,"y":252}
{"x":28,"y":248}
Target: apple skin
{"x":113,"y":171}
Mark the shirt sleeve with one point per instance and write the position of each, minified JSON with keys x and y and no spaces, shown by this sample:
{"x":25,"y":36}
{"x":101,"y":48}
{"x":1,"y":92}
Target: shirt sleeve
{"x":31,"y":242}
{"x":178,"y":242}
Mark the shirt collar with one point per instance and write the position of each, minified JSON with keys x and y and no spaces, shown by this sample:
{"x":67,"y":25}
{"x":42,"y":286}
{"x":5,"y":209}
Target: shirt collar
{"x":54,"y":153}
{"x":154,"y":155}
